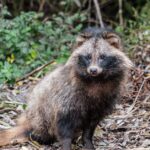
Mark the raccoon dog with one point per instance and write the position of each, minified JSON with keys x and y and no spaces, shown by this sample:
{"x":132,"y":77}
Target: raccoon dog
{"x":76,"y":96}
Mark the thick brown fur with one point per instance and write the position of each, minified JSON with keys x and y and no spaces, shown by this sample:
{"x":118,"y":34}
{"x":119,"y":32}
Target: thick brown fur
{"x":71,"y":99}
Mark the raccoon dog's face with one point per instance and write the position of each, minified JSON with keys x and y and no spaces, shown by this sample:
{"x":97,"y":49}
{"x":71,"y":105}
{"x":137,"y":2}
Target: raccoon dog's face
{"x":100,"y":58}
{"x":93,"y":65}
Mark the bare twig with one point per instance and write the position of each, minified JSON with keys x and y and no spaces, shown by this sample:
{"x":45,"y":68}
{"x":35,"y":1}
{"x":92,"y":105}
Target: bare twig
{"x":35,"y":71}
{"x":120,"y":13}
{"x":89,"y":11}
{"x":99,"y":13}
{"x":132,"y":106}
{"x":34,"y":143}
{"x":41,"y":3}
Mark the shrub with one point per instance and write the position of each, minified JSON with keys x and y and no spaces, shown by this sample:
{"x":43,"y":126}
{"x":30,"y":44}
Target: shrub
{"x":27,"y":41}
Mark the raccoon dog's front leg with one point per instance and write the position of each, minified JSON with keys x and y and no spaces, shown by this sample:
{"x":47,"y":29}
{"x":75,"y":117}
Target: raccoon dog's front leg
{"x":87,"y":136}
{"x":65,"y":130}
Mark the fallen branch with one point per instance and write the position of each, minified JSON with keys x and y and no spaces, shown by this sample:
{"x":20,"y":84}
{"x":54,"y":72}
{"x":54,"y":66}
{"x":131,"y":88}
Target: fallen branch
{"x":35,"y":71}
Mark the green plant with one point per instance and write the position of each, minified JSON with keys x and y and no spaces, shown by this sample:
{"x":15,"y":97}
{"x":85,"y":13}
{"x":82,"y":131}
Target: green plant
{"x":137,"y":31}
{"x":27,"y":42}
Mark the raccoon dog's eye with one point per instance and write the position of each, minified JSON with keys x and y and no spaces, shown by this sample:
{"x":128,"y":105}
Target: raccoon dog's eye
{"x":84,"y":60}
{"x":88,"y":56}
{"x":102,"y":56}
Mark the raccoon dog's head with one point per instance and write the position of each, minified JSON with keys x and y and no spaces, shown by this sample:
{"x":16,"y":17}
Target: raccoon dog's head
{"x":98,"y":55}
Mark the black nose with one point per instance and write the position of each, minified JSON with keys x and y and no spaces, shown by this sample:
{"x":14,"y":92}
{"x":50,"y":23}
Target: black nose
{"x":93,"y":71}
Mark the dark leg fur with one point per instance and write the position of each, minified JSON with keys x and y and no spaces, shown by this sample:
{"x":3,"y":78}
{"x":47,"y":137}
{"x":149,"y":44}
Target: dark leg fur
{"x":65,"y":130}
{"x":42,"y":138}
{"x":87,"y":136}
{"x":66,"y":144}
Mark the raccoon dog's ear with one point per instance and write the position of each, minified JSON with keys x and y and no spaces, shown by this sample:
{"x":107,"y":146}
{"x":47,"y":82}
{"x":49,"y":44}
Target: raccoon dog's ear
{"x":113,"y":39}
{"x":81,"y":38}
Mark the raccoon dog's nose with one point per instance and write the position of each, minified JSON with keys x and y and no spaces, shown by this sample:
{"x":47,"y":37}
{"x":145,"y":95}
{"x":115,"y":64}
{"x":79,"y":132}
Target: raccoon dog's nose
{"x":93,"y":70}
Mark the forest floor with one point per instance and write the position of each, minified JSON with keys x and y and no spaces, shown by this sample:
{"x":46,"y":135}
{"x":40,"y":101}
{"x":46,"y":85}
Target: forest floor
{"x":128,"y":128}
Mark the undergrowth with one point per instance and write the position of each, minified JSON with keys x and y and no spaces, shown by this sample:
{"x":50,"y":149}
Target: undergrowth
{"x":30,"y":40}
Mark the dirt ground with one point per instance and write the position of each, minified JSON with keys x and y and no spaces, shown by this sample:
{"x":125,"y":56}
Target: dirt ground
{"x":128,"y":128}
